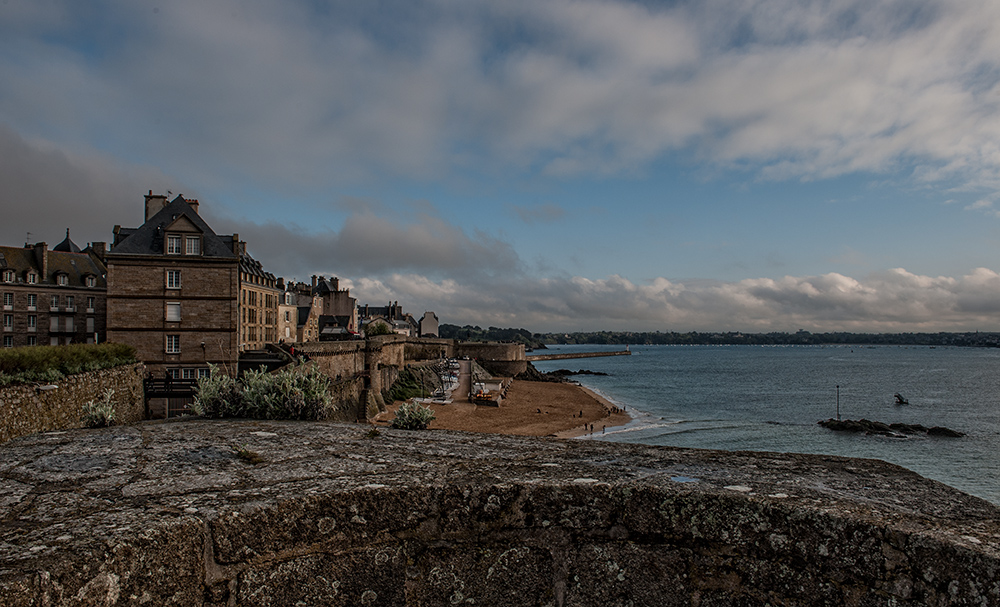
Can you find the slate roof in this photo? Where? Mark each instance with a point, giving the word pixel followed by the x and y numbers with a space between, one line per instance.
pixel 147 239
pixel 67 245
pixel 251 266
pixel 77 266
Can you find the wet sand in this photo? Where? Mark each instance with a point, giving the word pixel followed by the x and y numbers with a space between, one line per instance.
pixel 530 409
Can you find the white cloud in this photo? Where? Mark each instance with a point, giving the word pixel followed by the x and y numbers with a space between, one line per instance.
pixel 288 96
pixel 891 301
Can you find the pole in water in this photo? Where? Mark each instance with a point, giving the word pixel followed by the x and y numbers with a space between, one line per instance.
pixel 838 403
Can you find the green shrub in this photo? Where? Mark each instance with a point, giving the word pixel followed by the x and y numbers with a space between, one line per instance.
pixel 52 363
pixel 218 394
pixel 407 386
pixel 292 393
pixel 99 413
pixel 412 416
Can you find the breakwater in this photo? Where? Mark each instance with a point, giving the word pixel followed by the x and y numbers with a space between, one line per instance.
pixel 240 513
pixel 537 357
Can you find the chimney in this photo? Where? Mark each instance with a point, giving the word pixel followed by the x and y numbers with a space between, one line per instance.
pixel 42 260
pixel 314 281
pixel 154 203
pixel 336 284
pixel 193 204
pixel 99 249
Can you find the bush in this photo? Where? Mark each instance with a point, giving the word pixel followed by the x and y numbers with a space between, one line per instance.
pixel 412 416
pixel 218 394
pixel 100 413
pixel 52 363
pixel 407 386
pixel 300 393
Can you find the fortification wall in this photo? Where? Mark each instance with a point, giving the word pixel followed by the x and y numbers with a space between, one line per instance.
pixel 332 515
pixel 429 349
pixel 24 409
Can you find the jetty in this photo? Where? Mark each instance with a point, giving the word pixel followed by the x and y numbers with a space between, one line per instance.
pixel 537 357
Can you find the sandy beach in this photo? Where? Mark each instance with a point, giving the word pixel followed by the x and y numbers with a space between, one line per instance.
pixel 531 408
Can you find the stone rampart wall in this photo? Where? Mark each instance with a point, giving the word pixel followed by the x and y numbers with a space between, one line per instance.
pixel 24 409
pixel 329 514
pixel 490 351
pixel 377 362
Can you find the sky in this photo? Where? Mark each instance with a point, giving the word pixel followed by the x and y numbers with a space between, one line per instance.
pixel 556 165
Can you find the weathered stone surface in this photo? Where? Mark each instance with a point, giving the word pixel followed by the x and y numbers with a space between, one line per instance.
pixel 169 514
pixel 24 409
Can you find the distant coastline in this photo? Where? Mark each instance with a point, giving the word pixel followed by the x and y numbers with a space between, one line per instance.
pixel 972 339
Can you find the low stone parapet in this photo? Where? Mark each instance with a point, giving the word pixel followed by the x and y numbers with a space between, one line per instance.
pixel 236 513
pixel 29 408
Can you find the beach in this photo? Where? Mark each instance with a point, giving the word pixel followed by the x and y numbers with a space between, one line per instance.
pixel 531 408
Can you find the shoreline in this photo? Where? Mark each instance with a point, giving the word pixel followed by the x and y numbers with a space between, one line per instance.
pixel 554 409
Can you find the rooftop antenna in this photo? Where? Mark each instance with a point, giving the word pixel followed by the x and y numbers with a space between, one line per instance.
pixel 27 238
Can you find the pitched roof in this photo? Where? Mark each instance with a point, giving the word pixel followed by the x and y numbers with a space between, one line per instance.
pixel 67 245
pixel 147 239
pixel 76 266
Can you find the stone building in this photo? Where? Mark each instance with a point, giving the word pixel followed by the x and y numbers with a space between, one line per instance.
pixel 393 315
pixel 258 307
pixel 429 325
pixel 53 297
pixel 338 317
pixel 173 290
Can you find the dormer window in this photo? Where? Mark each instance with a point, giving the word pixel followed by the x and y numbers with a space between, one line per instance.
pixel 173 245
pixel 91 281
pixel 62 279
pixel 32 278
pixel 193 245
pixel 8 275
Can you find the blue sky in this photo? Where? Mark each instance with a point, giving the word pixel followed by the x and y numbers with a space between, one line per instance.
pixel 556 165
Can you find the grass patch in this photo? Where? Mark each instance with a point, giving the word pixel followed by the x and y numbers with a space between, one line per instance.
pixel 52 363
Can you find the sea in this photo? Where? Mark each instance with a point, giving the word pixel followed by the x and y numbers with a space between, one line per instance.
pixel 770 398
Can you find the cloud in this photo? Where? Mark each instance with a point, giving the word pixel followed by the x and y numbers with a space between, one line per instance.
pixel 368 244
pixel 892 301
pixel 291 95
pixel 543 213
pixel 47 189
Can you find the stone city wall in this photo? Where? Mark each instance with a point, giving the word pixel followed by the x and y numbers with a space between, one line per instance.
pixel 25 409
pixel 500 359
pixel 328 514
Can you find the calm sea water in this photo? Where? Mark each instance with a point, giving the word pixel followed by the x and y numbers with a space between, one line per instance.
pixel 769 398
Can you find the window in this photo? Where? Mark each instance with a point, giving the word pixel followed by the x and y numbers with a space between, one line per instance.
pixel 69 302
pixel 91 281
pixel 173 312
pixel 8 322
pixel 174 373
pixel 53 324
pixel 189 373
pixel 63 280
pixel 288 316
pixel 204 372
pixel 32 322
pixel 90 324
pixel 8 275
pixel 8 341
pixel 55 302
pixel 193 245
pixel 173 344
pixel 53 341
pixel 90 303
pixel 32 340
pixel 173 279
pixel 8 300
pixel 69 324
pixel 173 245
pixel 32 301
pixel 32 278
